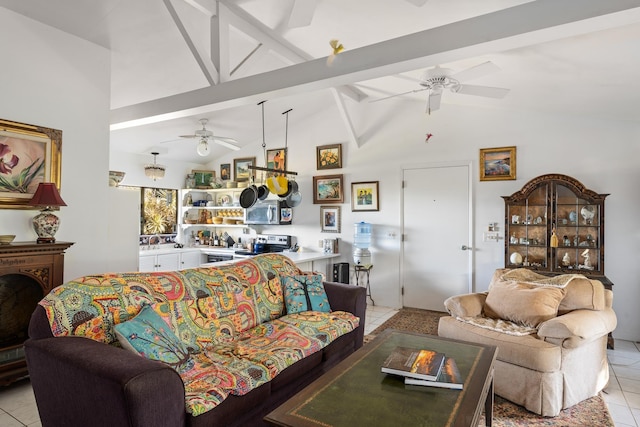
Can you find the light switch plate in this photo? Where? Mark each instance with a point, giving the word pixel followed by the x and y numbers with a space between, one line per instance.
pixel 490 236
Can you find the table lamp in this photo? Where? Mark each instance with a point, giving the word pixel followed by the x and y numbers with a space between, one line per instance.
pixel 46 223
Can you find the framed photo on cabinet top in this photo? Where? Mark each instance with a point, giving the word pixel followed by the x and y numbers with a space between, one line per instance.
pixel 203 178
pixel 29 155
pixel 498 164
pixel 364 196
pixel 225 171
pixel 242 172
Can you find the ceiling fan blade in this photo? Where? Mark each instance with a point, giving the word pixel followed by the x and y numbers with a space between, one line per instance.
pixel 433 102
pixel 417 2
pixel 226 142
pixel 486 91
pixel 476 71
pixel 398 94
pixel 188 136
pixel 302 13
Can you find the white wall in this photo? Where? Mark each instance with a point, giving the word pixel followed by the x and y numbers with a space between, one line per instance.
pixel 602 155
pixel 52 79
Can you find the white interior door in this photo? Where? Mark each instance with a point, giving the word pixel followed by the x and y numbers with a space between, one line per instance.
pixel 436 229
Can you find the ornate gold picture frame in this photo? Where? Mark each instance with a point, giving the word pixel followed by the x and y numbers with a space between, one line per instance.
pixel 29 155
pixel 497 164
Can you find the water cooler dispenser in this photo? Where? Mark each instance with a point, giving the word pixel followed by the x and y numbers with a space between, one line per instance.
pixel 361 243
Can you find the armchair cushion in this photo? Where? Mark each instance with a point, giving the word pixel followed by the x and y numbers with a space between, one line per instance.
pixel 523 304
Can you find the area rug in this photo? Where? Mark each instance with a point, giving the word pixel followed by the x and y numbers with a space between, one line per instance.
pixel 590 412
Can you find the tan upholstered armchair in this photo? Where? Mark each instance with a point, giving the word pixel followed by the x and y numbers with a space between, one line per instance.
pixel 551 335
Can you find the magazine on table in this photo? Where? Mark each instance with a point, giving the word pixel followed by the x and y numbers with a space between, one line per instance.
pixel 449 377
pixel 421 364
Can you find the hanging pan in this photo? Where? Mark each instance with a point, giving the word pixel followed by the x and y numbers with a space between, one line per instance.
pixel 249 196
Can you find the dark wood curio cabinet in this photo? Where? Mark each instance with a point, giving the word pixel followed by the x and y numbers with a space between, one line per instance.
pixel 559 204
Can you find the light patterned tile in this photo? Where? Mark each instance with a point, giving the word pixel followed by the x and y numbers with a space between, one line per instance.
pixel 621 414
pixel 629 385
pixel 614 396
pixel 633 399
pixel 16 395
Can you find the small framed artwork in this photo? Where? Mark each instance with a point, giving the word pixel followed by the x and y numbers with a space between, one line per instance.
pixel 225 171
pixel 276 159
pixel 328 189
pixel 242 170
pixel 203 178
pixel 329 156
pixel 330 219
pixel 497 164
pixel 364 196
pixel 29 155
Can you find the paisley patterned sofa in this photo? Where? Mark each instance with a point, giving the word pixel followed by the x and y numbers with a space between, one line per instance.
pixel 220 346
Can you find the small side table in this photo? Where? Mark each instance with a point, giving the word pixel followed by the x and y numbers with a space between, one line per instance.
pixel 366 271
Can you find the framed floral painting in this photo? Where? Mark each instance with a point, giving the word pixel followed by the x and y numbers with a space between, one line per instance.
pixel 329 156
pixel 29 155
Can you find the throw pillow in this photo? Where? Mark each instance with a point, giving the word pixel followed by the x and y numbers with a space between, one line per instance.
pixel 523 304
pixel 148 335
pixel 305 292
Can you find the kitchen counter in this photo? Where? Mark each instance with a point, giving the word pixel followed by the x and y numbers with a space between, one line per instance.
pixel 297 257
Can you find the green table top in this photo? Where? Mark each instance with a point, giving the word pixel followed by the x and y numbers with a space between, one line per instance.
pixel 356 393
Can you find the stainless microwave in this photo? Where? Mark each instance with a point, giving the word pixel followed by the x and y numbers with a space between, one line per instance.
pixel 270 212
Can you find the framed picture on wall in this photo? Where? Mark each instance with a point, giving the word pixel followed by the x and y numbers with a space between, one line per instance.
pixel 242 170
pixel 225 171
pixel 330 219
pixel 276 159
pixel 497 164
pixel 329 156
pixel 29 155
pixel 364 196
pixel 328 189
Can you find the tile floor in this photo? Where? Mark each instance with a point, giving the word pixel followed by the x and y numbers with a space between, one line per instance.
pixel 18 406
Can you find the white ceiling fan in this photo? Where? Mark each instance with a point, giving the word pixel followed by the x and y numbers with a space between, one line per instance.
pixel 437 79
pixel 205 136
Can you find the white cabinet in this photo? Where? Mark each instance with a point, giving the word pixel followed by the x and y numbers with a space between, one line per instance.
pixel 172 261
pixel 191 259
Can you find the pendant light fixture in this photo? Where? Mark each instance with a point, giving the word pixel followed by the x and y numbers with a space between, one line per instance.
pixel 203 148
pixel 154 170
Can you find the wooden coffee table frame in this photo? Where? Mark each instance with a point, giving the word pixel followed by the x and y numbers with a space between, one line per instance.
pixel 356 389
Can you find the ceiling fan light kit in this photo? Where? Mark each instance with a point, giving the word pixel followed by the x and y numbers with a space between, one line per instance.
pixel 207 136
pixel 154 170
pixel 203 148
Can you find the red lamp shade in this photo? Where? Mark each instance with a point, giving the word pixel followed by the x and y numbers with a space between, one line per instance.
pixel 47 195
pixel 46 223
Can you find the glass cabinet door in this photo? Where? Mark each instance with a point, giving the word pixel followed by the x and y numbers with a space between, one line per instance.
pixel 527 230
pixel 578 229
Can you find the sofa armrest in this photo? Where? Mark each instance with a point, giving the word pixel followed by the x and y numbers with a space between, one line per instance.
pixel 344 297
pixel 578 327
pixel 81 382
pixel 467 305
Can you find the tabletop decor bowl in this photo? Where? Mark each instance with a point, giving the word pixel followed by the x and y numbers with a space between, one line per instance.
pixel 5 239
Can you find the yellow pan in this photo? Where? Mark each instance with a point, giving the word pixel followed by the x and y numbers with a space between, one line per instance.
pixel 278 185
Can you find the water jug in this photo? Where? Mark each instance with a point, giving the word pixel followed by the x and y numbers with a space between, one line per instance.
pixel 362 236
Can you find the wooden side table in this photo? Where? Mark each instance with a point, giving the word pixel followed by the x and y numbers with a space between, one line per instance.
pixel 365 270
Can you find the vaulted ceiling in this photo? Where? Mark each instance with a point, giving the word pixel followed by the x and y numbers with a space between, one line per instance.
pixel 177 61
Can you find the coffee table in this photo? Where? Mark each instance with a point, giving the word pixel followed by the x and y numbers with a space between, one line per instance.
pixel 355 392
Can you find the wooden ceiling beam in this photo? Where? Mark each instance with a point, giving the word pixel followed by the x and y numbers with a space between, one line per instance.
pixel 519 26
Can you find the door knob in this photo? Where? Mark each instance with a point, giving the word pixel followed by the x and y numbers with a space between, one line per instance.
pixel 466 248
